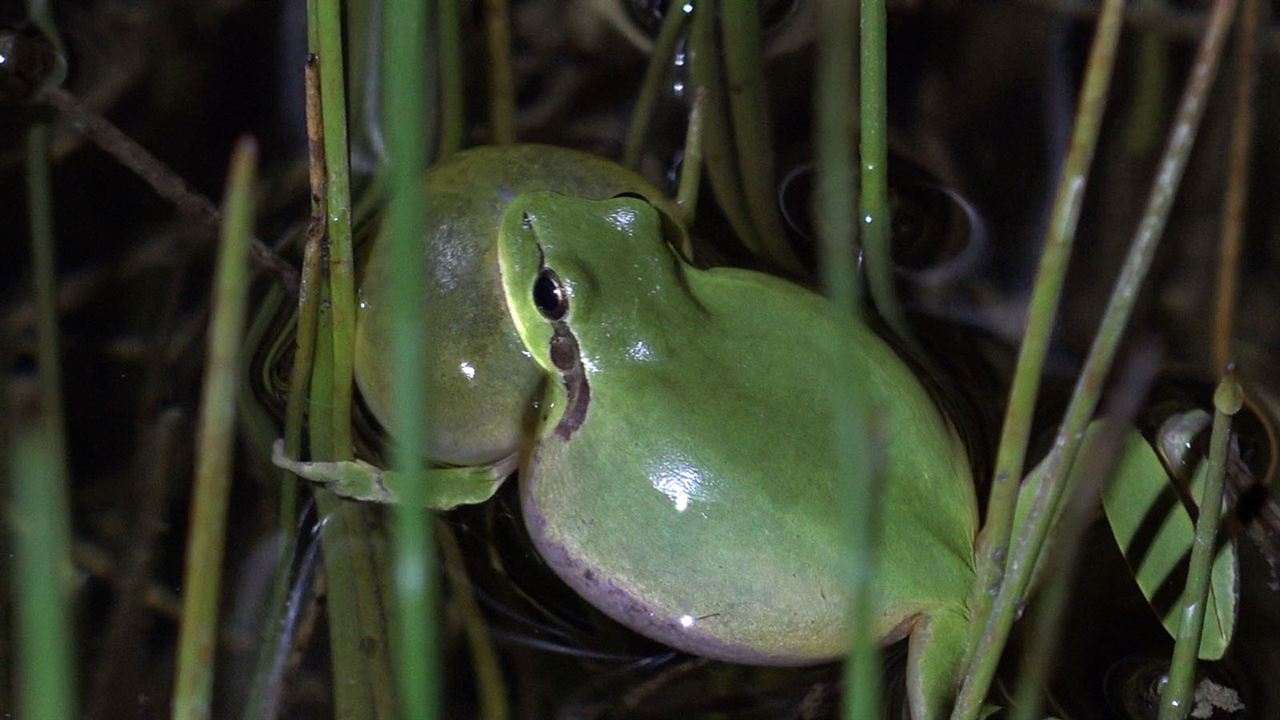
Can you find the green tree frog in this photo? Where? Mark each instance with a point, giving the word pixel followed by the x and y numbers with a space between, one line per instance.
pixel 672 426
pixel 679 473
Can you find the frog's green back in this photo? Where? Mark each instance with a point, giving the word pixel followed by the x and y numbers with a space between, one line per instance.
pixel 696 500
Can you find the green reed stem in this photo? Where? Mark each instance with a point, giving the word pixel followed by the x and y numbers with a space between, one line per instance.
pixel 309 286
pixel 993 541
pixel 320 433
pixel 362 679
pixel 1129 392
pixel 1177 698
pixel 408 126
pixel 502 85
pixel 877 227
pixel 358 634
pixel 43 574
pixel 655 73
pixel 691 166
pixel 453 110
pixel 353 557
pixel 353 693
pixel 338 192
pixel 215 443
pixel 300 376
pixel 836 189
pixel 38 469
pixel 836 181
pixel 744 70
pixel 1235 202
pixel 718 156
pixel 1084 398
pixel 37 457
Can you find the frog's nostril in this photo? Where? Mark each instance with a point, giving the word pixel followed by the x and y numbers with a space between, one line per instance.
pixel 526 221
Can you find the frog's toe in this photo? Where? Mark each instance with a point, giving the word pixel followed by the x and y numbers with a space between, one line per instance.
pixel 935 661
pixel 352 479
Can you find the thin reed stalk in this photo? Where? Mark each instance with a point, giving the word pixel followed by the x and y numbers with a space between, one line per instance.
pixel 836 183
pixel 416 641
pixel 1176 699
pixel 993 541
pixel 215 440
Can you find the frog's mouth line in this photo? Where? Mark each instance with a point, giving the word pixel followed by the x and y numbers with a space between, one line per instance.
pixel 567 358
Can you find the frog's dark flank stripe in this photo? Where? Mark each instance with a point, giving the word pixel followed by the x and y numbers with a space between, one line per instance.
pixel 567 358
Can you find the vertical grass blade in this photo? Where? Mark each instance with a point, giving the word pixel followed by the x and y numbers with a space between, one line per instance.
pixel 1235 203
pixel 876 227
pixel 837 229
pixel 358 635
pixel 41 513
pixel 1084 398
pixel 993 541
pixel 691 164
pixel 502 84
pixel 1176 699
pixel 743 50
pixel 836 182
pixel 215 440
pixel 1129 392
pixel 338 191
pixel 718 155
pixel 408 124
pixel 46 677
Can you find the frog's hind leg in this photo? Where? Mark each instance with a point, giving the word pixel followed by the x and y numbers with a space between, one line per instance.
pixel 935 657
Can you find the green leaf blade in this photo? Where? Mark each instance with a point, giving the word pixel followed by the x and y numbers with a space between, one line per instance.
pixel 1155 531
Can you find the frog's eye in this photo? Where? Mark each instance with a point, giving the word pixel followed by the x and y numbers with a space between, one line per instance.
pixel 549 296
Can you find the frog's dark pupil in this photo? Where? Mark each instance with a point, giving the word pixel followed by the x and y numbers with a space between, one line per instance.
pixel 549 297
